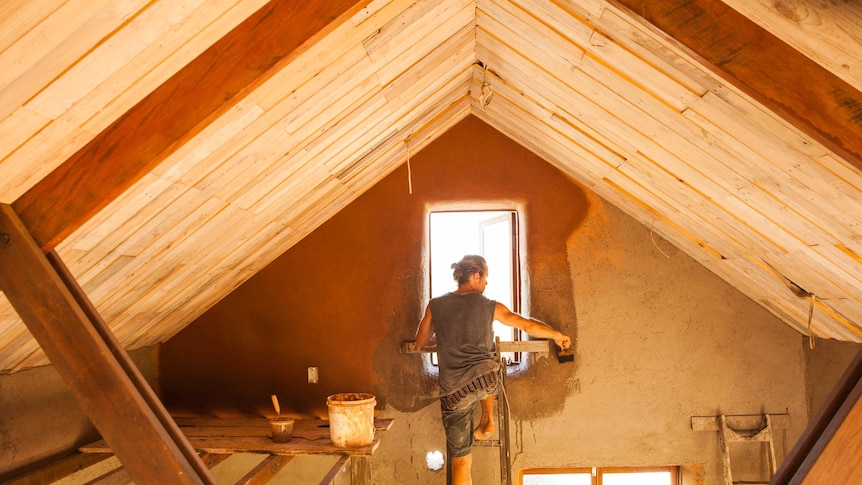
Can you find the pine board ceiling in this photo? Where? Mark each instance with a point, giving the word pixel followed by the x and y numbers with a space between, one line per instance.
pixel 731 129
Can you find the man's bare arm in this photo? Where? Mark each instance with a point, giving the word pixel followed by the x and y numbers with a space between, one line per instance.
pixel 534 327
pixel 425 332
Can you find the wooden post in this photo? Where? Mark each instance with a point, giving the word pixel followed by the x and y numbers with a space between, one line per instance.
pixel 360 470
pixel 88 363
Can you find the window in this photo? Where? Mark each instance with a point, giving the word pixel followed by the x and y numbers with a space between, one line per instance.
pixel 666 475
pixel 492 234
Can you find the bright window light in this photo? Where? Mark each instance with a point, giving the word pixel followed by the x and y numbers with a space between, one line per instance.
pixel 663 475
pixel 491 234
pixel 559 479
pixel 637 478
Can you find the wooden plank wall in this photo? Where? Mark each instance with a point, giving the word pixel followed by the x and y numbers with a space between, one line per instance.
pixel 591 86
pixel 631 119
pixel 208 184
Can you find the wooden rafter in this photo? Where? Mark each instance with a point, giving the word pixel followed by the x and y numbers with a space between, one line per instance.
pixel 89 365
pixel 69 330
pixel 783 79
pixel 177 110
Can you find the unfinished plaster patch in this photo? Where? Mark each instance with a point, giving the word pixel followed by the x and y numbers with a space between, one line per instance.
pixel 573 384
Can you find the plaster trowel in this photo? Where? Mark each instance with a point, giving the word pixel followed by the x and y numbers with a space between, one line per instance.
pixel 276 406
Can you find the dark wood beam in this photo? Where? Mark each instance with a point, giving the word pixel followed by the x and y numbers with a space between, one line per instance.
pixel 173 113
pixel 121 476
pixel 265 470
pixel 87 363
pixel 784 80
pixel 212 459
pixel 125 362
pixel 56 470
pixel 841 458
pixel 114 477
pixel 339 474
pixel 841 416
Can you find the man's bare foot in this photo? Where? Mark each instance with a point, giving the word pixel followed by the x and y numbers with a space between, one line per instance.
pixel 484 432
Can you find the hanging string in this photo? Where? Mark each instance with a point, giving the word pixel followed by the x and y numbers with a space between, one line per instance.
pixel 409 171
pixel 811 297
pixel 653 239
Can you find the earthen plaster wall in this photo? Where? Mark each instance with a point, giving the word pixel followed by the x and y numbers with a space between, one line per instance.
pixel 40 419
pixel 659 339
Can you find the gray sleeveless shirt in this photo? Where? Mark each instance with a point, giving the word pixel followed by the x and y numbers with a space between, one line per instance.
pixel 463 324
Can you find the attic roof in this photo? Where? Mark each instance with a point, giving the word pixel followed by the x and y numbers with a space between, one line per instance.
pixel 134 134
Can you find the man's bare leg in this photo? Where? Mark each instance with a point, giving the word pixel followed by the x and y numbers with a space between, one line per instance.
pixel 461 470
pixel 486 423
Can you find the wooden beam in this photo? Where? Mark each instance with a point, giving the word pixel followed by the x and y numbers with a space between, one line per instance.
pixel 56 470
pixel 265 470
pixel 117 476
pixel 841 458
pixel 339 474
pixel 125 361
pixel 212 459
pixel 844 400
pixel 784 80
pixel 121 476
pixel 173 113
pixel 88 364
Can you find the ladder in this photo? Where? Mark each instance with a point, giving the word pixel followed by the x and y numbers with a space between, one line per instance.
pixel 762 435
pixel 502 407
pixel 539 347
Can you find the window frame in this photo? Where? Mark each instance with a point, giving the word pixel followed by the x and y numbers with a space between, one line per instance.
pixel 597 473
pixel 516 282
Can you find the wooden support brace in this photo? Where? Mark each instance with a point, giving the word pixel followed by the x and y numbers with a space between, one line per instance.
pixel 265 470
pixel 212 459
pixel 339 474
pixel 56 470
pixel 88 363
pixel 118 476
pixel 121 477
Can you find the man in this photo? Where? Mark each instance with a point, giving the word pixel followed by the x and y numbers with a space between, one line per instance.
pixel 461 322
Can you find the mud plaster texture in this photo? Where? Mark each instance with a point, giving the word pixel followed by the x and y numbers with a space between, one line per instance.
pixel 40 418
pixel 658 338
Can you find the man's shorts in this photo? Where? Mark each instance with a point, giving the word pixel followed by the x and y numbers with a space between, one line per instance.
pixel 458 409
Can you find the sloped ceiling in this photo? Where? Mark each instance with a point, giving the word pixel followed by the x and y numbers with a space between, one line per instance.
pixel 238 154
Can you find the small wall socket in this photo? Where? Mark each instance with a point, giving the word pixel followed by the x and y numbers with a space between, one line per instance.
pixel 312 375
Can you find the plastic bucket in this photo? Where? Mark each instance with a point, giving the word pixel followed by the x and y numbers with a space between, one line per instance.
pixel 282 428
pixel 351 419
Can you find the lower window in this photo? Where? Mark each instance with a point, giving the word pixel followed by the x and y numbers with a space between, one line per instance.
pixel 665 475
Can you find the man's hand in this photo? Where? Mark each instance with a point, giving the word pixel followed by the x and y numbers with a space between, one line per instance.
pixel 563 341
